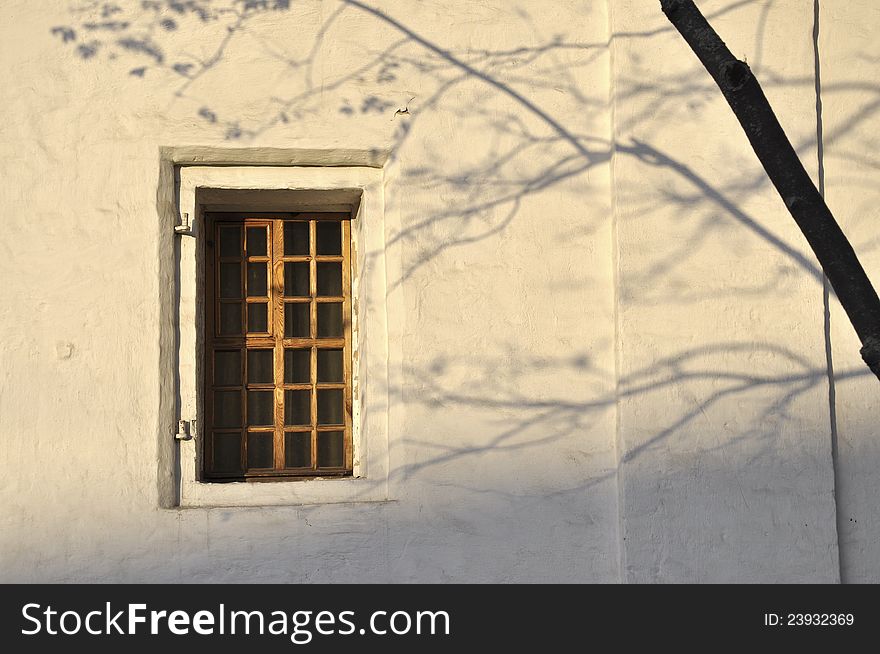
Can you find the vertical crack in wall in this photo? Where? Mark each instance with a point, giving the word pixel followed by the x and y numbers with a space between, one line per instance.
pixel 826 294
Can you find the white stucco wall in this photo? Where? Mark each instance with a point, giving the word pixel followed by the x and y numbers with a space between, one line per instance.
pixel 724 431
pixel 605 355
pixel 850 66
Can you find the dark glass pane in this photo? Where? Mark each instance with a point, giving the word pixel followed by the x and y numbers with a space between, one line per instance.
pixel 297 407
pixel 329 278
pixel 230 319
pixel 328 237
pixel 230 241
pixel 258 317
pixel 257 280
pixel 230 280
pixel 227 368
pixel 330 407
pixel 296 238
pixel 227 409
pixel 296 319
pixel 260 450
pixel 298 449
pixel 260 408
pixel 330 368
pixel 331 449
pixel 256 241
pixel 260 368
pixel 330 320
pixel 227 452
pixel 296 279
pixel 297 366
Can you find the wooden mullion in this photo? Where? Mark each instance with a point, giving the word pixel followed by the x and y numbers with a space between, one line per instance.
pixel 346 351
pixel 313 332
pixel 242 271
pixel 313 284
pixel 254 342
pixel 276 326
pixel 324 343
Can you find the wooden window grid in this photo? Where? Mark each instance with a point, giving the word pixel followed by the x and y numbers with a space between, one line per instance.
pixel 278 346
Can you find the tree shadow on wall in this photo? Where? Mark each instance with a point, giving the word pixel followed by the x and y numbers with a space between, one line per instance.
pixel 541 125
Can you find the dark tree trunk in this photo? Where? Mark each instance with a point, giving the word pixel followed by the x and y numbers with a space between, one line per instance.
pixel 778 157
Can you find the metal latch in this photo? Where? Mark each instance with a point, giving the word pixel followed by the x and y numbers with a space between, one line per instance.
pixel 184 228
pixel 185 430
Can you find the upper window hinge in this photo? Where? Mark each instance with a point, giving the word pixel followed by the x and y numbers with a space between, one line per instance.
pixel 185 430
pixel 184 228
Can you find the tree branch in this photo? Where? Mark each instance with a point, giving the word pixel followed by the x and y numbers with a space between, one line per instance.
pixel 780 161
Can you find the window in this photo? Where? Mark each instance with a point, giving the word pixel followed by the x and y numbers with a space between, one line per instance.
pixel 279 346
pixel 288 185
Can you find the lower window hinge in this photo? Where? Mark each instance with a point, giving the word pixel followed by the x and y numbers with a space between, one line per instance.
pixel 185 430
pixel 184 228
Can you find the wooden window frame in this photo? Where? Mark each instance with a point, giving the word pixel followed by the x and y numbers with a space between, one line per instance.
pixel 276 340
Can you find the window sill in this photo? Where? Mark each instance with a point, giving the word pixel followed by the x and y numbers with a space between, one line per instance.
pixel 319 490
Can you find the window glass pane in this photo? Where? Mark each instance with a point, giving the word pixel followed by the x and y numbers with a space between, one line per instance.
pixel 297 366
pixel 260 450
pixel 230 241
pixel 257 280
pixel 227 452
pixel 296 238
pixel 298 449
pixel 258 317
pixel 330 320
pixel 230 280
pixel 260 407
pixel 331 449
pixel 330 368
pixel 329 278
pixel 260 368
pixel 296 279
pixel 330 407
pixel 328 237
pixel 256 241
pixel 227 368
pixel 227 409
pixel 297 407
pixel 296 319
pixel 230 319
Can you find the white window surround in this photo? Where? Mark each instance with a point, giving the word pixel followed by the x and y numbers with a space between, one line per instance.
pixel 290 188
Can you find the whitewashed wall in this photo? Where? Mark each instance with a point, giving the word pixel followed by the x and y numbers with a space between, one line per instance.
pixel 849 73
pixel 606 345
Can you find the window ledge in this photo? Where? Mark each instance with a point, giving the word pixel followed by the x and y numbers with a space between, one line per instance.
pixel 327 490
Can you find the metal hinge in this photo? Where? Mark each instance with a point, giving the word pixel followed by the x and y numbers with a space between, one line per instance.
pixel 186 429
pixel 184 228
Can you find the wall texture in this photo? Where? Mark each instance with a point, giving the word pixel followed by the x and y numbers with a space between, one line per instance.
pixel 606 341
pixel 850 98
